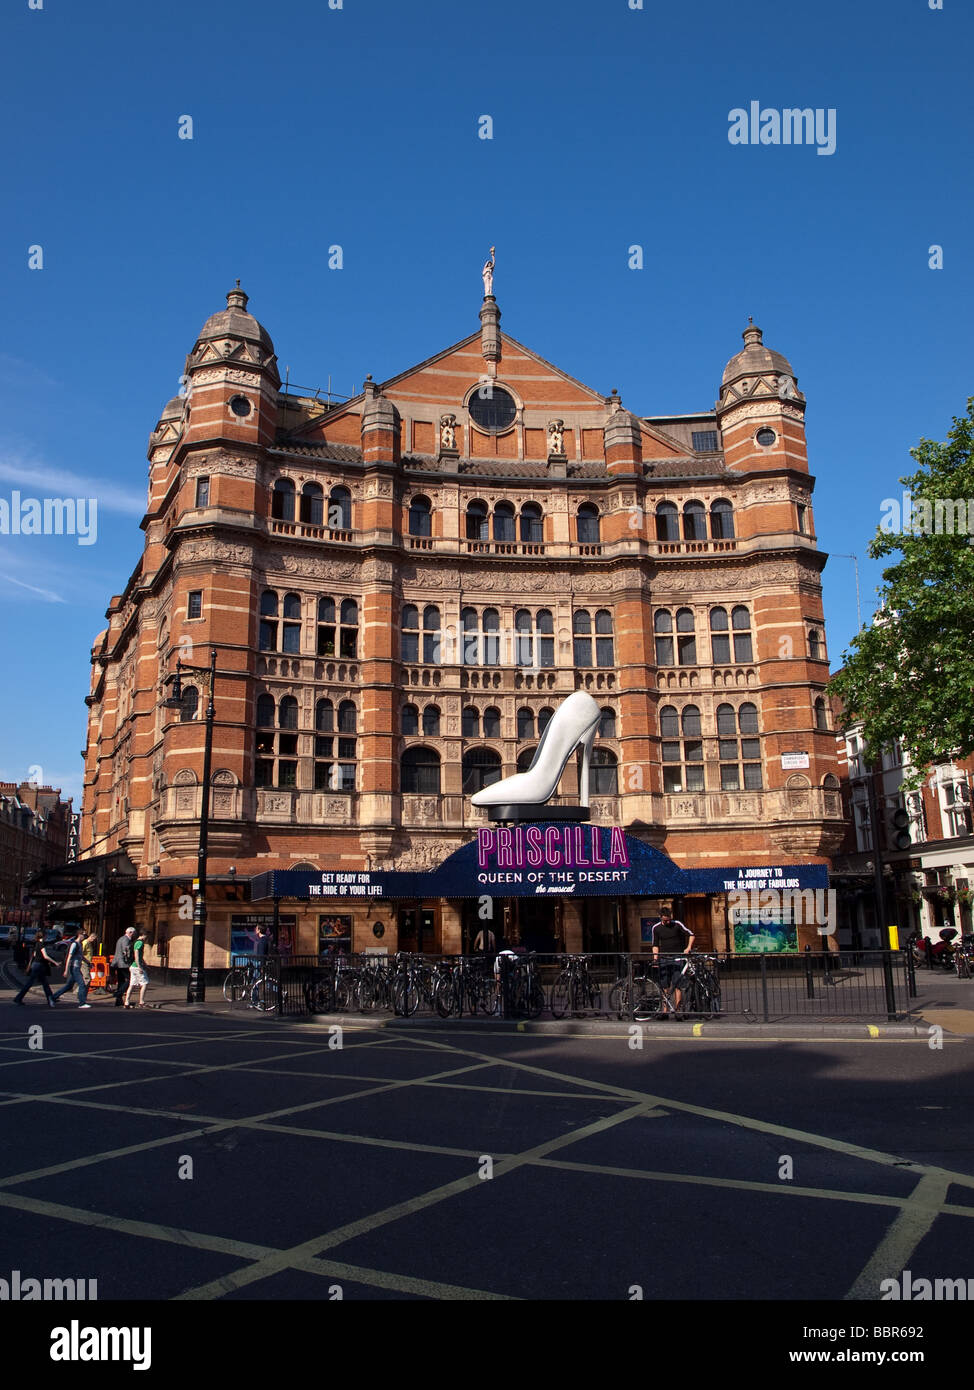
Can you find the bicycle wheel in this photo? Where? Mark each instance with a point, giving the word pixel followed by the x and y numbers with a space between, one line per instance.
pixel 535 1000
pixel 649 1003
pixel 344 994
pixel 405 997
pixel 265 995
pixel 235 985
pixel 323 997
pixel 561 995
pixel 445 998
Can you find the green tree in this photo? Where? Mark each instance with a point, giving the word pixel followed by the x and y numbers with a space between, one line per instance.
pixel 910 676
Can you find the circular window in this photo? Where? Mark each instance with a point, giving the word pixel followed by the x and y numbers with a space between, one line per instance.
pixel 766 437
pixel 240 406
pixel 492 408
pixel 378 929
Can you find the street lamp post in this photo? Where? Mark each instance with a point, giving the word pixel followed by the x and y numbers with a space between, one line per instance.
pixel 196 989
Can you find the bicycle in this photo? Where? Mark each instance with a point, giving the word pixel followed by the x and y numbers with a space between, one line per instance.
pixel 574 991
pixel 698 985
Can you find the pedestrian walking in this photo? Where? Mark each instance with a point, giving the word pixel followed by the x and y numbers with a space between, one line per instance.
pixel 38 969
pixel 122 961
pixel 138 977
pixel 74 971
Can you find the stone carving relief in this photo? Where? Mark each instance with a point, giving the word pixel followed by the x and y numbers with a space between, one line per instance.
pixel 185 777
pixel 318 568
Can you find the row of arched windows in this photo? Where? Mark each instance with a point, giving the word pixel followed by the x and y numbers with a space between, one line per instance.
pixel 488 725
pixel 695 521
pixel 309 505
pixel 738 748
pixel 420 770
pixel 280 625
pixel 277 743
pixel 684 652
pixel 503 523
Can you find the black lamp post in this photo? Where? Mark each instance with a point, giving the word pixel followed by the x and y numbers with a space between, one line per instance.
pixel 196 989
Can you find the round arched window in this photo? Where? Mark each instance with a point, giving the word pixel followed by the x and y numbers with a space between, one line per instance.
pixel 492 408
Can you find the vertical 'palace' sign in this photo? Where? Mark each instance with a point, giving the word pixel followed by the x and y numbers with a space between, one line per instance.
pixel 553 857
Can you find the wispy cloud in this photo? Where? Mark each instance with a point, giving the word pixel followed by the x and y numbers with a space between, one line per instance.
pixel 26 472
pixel 47 594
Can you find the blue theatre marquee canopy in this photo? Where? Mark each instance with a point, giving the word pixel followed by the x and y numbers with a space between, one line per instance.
pixel 581 861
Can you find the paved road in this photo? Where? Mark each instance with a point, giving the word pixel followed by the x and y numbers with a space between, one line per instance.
pixel 186 1155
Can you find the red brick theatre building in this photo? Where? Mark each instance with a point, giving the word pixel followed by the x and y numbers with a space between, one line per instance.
pixel 401 589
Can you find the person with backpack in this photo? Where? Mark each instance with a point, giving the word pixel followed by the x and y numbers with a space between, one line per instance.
pixel 122 961
pixel 74 971
pixel 38 969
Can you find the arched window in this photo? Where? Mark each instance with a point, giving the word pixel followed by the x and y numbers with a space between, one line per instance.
pixel 682 757
pixel 525 723
pixel 282 500
pixel 741 623
pixel 814 644
pixel 607 724
pixel 477 521
pixel 663 628
pixel 347 715
pixel 340 509
pixel 335 639
pixel 268 621
pixel 470 722
pixel 409 639
pixel 721 520
pixel 288 712
pixel 492 723
pixel 420 517
pixel 525 759
pixel 821 715
pixel 504 522
pixel 492 641
pixel 667 522
pixel 589 531
pixel 545 624
pixel 335 773
pixel 545 717
pixel 686 638
pixel 312 504
pixel 265 711
pixel 432 647
pixel 420 771
pixel 524 639
pixel 291 631
pixel 740 759
pixel 582 630
pixel 694 522
pixel 471 638
pixel 410 719
pixel 431 721
pixel 604 645
pixel 532 524
pixel 719 635
pixel 190 705
pixel 481 768
pixel 324 717
pixel 604 773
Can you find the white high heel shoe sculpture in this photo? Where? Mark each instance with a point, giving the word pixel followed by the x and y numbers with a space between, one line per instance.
pixel 574 723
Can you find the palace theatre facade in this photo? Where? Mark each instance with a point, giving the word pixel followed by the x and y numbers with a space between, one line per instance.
pixel 401 589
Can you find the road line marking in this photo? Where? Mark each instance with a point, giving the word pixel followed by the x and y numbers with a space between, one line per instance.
pixel 365 1225
pixel 904 1235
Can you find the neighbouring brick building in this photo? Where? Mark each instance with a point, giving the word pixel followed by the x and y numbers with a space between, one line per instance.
pixel 35 833
pixel 929 877
pixel 403 586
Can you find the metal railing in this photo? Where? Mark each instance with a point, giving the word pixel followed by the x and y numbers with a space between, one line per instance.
pixel 758 987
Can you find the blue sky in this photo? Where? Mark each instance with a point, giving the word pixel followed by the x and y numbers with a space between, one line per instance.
pixel 359 127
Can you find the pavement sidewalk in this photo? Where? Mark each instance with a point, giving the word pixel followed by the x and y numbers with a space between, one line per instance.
pixel 942 1000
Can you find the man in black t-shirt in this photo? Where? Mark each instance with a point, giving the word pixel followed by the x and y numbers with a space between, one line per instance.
pixel 671 938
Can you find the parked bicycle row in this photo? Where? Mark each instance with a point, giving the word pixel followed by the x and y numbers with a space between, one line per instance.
pixel 509 985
